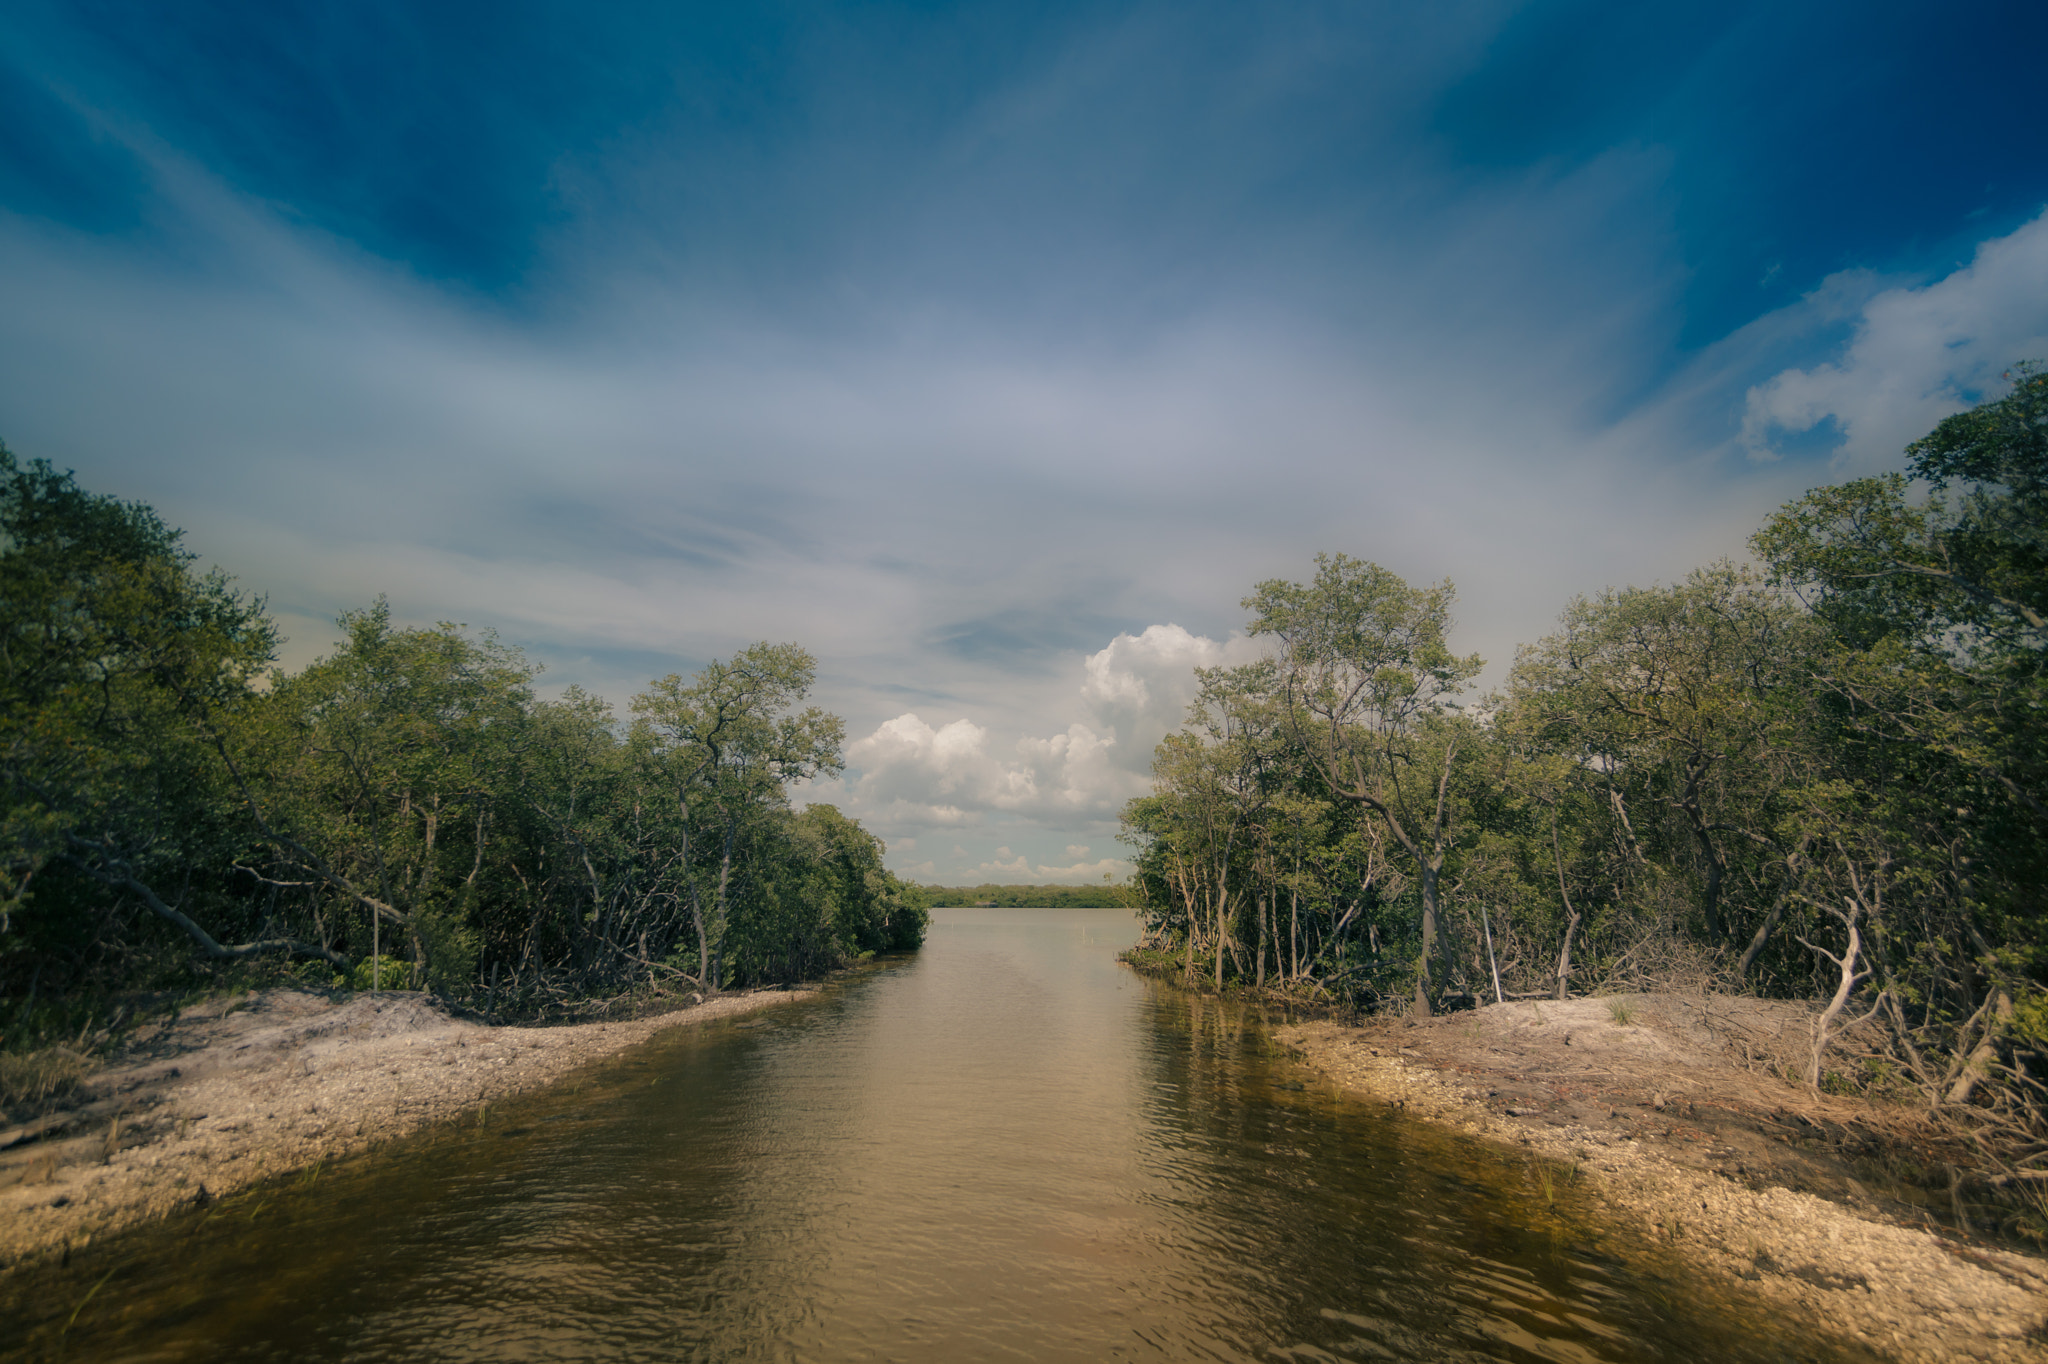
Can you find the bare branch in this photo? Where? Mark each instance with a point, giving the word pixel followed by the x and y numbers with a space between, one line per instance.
pixel 116 873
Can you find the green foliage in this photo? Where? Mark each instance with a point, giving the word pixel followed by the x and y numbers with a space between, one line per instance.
pixel 380 973
pixel 110 648
pixel 1361 646
pixel 1363 685
pixel 1679 696
pixel 406 797
pixel 1927 704
pixel 374 775
pixel 1712 784
pixel 728 743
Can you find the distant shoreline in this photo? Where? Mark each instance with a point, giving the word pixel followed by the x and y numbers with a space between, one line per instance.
pixel 989 895
pixel 1115 908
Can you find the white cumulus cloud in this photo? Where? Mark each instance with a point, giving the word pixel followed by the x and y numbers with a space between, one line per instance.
pixel 1918 354
pixel 909 775
pixel 1140 685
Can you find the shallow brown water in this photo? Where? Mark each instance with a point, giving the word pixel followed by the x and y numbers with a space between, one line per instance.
pixel 1007 1147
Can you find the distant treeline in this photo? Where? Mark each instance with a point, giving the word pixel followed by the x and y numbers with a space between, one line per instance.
pixel 1027 897
pixel 404 811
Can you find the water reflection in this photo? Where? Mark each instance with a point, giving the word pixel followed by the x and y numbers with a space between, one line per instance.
pixel 1007 1147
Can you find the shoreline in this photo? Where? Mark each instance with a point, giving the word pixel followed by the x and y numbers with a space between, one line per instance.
pixel 1633 1102
pixel 1687 1166
pixel 236 1092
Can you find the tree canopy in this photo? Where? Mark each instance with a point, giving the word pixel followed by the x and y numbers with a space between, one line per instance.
pixel 404 811
pixel 1817 777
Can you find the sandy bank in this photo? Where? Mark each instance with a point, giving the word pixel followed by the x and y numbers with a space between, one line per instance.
pixel 1703 1158
pixel 241 1091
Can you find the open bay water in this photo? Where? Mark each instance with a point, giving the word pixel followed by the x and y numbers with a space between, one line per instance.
pixel 1004 1147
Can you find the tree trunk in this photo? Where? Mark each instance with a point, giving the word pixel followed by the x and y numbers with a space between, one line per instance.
pixel 1432 868
pixel 1710 900
pixel 1851 950
pixel 1187 903
pixel 705 980
pixel 1492 962
pixel 1770 923
pixel 207 943
pixel 1985 1052
pixel 703 946
pixel 1628 829
pixel 716 975
pixel 1423 984
pixel 1262 943
pixel 1564 957
pixel 1571 925
pixel 1222 904
pixel 1717 861
pixel 1763 934
pixel 1294 931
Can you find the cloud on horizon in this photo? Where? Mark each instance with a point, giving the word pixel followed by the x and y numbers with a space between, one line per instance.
pixel 908 779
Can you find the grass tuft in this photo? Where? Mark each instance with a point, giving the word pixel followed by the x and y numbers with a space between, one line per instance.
pixel 29 1078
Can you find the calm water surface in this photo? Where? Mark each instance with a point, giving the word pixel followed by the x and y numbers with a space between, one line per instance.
pixel 1004 1148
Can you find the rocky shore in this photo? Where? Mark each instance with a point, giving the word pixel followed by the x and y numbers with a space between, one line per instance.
pixel 1639 1104
pixel 243 1090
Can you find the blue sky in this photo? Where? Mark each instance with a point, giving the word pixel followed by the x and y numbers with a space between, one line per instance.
pixel 994 352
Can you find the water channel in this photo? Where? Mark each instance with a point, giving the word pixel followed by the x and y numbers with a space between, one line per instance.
pixel 1006 1147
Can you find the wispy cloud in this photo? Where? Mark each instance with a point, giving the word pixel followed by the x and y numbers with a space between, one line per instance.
pixel 970 351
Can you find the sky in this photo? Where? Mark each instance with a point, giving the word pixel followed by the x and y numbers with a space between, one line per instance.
pixel 994 352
